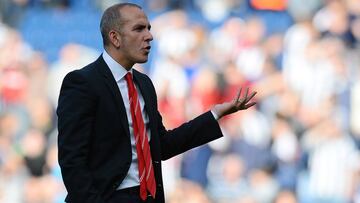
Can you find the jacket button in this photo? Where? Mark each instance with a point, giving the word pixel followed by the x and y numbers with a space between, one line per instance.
pixel 159 185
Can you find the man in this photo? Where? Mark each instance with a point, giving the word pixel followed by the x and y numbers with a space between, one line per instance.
pixel 111 137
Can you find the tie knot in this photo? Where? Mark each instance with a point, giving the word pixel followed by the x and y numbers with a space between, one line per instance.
pixel 128 77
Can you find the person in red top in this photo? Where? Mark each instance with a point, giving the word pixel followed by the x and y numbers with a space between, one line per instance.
pixel 273 5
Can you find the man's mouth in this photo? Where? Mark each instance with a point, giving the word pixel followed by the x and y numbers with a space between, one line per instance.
pixel 147 49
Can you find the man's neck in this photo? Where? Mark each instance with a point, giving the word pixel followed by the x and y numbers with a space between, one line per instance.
pixel 118 57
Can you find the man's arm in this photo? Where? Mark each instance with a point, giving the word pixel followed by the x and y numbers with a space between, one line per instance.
pixel 199 131
pixel 75 119
pixel 202 129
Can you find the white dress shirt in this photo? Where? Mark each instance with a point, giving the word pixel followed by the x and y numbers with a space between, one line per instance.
pixel 119 72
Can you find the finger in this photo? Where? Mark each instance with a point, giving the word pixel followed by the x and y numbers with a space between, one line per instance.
pixel 250 105
pixel 251 96
pixel 246 94
pixel 238 95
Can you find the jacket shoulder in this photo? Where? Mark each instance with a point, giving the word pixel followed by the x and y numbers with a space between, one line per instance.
pixel 142 76
pixel 85 73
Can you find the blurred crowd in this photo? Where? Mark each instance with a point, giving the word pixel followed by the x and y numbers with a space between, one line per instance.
pixel 300 144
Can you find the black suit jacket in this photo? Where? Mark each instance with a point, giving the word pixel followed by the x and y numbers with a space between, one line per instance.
pixel 94 144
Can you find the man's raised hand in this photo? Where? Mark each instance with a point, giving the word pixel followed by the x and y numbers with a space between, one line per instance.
pixel 239 103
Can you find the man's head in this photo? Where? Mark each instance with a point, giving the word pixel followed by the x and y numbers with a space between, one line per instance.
pixel 125 30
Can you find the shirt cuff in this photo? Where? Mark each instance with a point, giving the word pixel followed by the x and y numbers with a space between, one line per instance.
pixel 215 115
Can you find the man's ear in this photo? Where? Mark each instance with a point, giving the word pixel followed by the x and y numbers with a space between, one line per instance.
pixel 114 38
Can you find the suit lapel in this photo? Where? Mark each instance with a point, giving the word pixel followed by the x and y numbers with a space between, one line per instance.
pixel 114 89
pixel 144 92
pixel 150 108
pixel 149 105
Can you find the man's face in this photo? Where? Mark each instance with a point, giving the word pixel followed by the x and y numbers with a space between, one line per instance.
pixel 135 36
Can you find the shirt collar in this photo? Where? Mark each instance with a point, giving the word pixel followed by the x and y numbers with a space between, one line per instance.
pixel 116 69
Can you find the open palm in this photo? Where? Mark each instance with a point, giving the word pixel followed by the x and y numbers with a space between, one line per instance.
pixel 238 104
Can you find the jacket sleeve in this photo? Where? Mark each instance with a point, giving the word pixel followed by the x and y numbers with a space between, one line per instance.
pixel 194 133
pixel 76 111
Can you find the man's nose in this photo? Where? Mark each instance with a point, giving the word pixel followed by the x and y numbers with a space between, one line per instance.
pixel 148 36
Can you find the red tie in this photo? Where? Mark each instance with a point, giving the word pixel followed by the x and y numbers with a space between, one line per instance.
pixel 146 172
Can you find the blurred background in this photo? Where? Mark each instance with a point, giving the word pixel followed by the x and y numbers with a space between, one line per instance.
pixel 300 144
